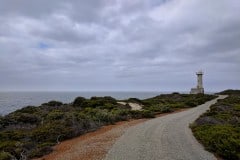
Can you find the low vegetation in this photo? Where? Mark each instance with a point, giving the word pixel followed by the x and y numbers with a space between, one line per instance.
pixel 219 128
pixel 32 131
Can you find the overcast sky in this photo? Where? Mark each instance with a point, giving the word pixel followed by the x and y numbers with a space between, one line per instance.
pixel 119 45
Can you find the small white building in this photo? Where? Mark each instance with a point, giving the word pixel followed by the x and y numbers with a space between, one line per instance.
pixel 199 88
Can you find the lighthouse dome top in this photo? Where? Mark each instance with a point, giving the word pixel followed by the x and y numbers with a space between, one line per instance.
pixel 199 72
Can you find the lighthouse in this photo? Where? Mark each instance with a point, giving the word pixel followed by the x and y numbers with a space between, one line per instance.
pixel 199 88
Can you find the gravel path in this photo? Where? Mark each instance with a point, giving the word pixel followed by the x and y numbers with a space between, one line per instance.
pixel 163 138
pixel 90 146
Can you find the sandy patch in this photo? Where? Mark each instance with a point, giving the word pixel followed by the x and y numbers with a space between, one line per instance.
pixel 134 106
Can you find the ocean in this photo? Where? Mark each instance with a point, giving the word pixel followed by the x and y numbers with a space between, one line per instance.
pixel 11 101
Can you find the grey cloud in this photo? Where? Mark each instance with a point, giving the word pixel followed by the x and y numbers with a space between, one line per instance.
pixel 84 10
pixel 119 45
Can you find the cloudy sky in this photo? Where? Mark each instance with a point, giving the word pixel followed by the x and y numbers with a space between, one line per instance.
pixel 119 45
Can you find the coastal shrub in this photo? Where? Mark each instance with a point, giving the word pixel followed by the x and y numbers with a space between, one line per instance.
pixel 50 131
pixel 109 99
pixel 104 116
pixel 121 114
pixel 147 114
pixel 134 100
pixel 79 101
pixel 237 107
pixel 45 144
pixel 108 106
pixel 106 99
pixel 38 152
pixel 221 108
pixel 8 145
pixel 177 100
pixel 159 109
pixel 12 147
pixel 218 129
pixel 223 116
pixel 222 139
pixel 13 135
pixel 142 114
pixel 208 120
pixel 28 145
pixel 28 109
pixel 5 156
pixel 166 109
pixel 25 118
pixel 1 122
pixel 230 92
pixel 99 102
pixel 135 114
pixel 81 116
pixel 53 103
pixel 176 105
pixel 55 115
pixel 191 103
pixel 153 108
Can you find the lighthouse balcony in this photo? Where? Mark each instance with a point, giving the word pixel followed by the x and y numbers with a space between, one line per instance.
pixel 197 91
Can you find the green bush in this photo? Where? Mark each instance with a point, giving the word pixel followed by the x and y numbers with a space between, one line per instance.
pixel 237 107
pixel 38 152
pixel 176 105
pixel 230 92
pixel 154 108
pixel 135 100
pixel 191 103
pixel 5 156
pixel 25 118
pixel 121 114
pixel 94 102
pixel 104 116
pixel 135 114
pixel 50 131
pixel 79 101
pixel 13 135
pixel 8 145
pixel 108 106
pixel 53 103
pixel 141 114
pixel 222 139
pixel 28 109
pixel 177 100
pixel 147 114
pixel 159 109
pixel 55 115
pixel 166 109
pixel 100 101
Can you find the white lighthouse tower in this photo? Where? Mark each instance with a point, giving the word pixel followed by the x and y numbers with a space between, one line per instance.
pixel 199 88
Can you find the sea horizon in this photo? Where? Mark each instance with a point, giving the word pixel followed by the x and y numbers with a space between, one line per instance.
pixel 10 101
